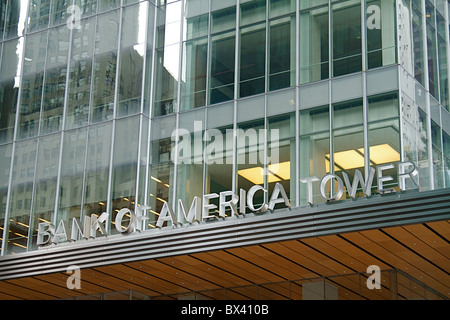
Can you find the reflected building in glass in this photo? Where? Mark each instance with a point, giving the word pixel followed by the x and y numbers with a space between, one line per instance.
pixel 92 93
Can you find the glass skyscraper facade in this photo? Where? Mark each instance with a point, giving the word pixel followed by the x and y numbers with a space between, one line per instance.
pixel 91 92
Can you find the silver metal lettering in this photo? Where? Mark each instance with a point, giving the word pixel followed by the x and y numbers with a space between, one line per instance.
pixel 340 189
pixel 250 196
pixel 381 179
pixel 231 203
pixel 194 214
pixel 166 215
pixel 366 186
pixel 274 199
pixel 309 190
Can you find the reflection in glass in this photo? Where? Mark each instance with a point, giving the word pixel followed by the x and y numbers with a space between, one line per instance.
pixel 190 159
pixel 80 71
pixel 132 52
pixel 21 195
pixel 55 79
pixel 124 166
pixel 45 183
pixel 193 86
pixel 167 58
pixel 72 170
pixel 10 67
pixel 161 173
pixel 443 62
pixel 16 16
pixel 5 163
pixel 105 64
pixel 32 84
pixel 39 13
pixel 97 168
pixel 418 43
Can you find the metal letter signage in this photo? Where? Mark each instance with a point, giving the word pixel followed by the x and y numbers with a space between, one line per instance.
pixel 94 225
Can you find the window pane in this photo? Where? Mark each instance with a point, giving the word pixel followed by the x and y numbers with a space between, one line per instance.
pixel 97 169
pixel 250 157
pixel 418 43
pixel 223 20
pixel 380 21
pixel 32 85
pixel 252 60
pixel 5 163
pixel 8 89
pixel 282 56
pixel 219 167
pixel 55 79
pixel 193 86
pixel 125 160
pixel 167 59
pixel 132 58
pixel 105 65
pixel 161 173
pixel 281 160
pixel 252 11
pixel 314 149
pixel 281 7
pixel 432 61
pixel 16 15
pixel 346 37
pixel 314 45
pixel 21 195
pixel 190 153
pixel 222 67
pixel 80 71
pixel 45 185
pixel 39 13
pixel 72 169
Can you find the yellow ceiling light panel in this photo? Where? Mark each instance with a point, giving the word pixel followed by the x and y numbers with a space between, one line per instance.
pixel 256 175
pixel 349 159
pixel 282 170
pixel 382 153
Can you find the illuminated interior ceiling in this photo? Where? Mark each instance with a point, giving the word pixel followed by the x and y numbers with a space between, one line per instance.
pixel 276 172
pixel 420 250
pixel 352 159
pixel 343 160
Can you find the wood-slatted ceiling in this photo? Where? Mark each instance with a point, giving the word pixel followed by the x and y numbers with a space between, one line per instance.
pixel 420 250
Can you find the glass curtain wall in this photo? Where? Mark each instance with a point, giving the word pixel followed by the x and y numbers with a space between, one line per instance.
pixel 222 51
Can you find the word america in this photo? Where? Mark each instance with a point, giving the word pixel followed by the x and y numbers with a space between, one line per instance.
pixel 93 225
